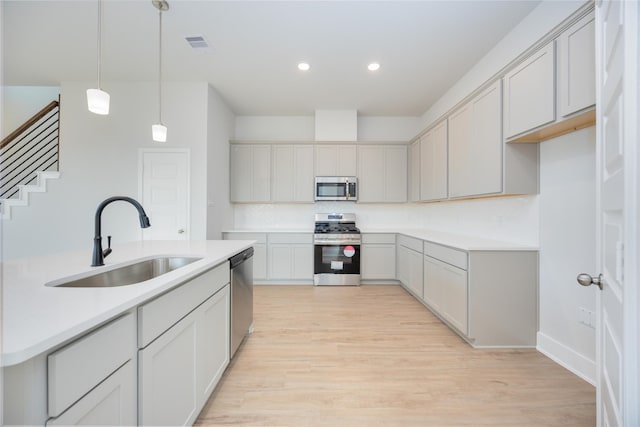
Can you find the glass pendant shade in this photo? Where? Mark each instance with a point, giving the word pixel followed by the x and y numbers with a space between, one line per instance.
pixel 98 101
pixel 159 132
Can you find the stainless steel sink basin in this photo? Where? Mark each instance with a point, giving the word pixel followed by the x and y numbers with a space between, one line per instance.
pixel 128 274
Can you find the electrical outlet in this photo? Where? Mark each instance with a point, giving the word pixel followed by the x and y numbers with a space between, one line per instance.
pixel 587 317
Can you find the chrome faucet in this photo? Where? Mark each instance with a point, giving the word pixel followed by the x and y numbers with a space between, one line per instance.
pixel 98 254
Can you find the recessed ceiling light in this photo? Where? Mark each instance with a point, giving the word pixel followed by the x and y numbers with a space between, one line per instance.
pixel 374 66
pixel 303 66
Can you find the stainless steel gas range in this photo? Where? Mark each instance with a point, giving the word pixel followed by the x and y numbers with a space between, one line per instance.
pixel 336 242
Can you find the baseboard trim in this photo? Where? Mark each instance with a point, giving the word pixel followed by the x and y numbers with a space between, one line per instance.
pixel 567 358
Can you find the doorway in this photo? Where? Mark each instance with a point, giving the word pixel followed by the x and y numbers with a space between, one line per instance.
pixel 163 177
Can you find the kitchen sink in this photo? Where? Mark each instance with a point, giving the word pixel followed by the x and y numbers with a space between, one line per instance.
pixel 128 274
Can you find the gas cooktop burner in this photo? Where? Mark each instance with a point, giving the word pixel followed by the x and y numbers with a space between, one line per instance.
pixel 324 228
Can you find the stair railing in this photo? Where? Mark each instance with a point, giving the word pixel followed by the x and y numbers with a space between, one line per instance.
pixel 31 148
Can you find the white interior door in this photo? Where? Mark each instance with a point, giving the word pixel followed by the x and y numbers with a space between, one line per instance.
pixel 164 182
pixel 617 204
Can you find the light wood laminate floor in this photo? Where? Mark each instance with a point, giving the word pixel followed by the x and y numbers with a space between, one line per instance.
pixel 374 356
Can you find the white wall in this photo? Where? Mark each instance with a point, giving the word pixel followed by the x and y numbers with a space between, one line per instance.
pixel 22 102
pixel 567 248
pixel 511 219
pixel 532 28
pixel 302 128
pixel 220 129
pixel 99 159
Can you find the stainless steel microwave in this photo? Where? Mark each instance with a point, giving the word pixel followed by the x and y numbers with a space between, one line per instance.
pixel 331 188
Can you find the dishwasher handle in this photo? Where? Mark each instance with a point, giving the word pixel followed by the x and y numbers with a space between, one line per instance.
pixel 241 257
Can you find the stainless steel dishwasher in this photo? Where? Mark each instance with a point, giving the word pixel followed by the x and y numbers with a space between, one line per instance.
pixel 241 297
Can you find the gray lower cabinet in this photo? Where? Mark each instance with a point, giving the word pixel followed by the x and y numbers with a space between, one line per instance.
pixel 279 257
pixel 290 256
pixel 179 366
pixel 259 254
pixel 409 263
pixel 93 379
pixel 488 297
pixel 156 364
pixel 378 256
pixel 112 402
pixel 445 284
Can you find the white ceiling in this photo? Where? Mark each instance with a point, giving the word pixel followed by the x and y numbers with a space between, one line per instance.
pixel 423 48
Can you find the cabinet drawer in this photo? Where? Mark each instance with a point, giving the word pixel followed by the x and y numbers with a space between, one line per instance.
pixel 113 402
pixel 259 237
pixel 160 314
pixel 450 256
pixel 77 368
pixel 378 238
pixel 290 238
pixel 410 242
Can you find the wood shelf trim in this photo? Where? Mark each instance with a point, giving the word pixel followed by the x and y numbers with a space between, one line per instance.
pixel 573 124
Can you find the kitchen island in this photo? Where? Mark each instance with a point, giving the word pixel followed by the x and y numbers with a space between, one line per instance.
pixel 64 349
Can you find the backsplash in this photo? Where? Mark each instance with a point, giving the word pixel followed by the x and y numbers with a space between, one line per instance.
pixel 513 219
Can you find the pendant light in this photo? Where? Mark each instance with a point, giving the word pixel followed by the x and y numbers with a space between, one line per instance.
pixel 159 131
pixel 97 99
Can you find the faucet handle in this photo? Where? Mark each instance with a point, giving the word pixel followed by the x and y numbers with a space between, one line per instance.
pixel 107 251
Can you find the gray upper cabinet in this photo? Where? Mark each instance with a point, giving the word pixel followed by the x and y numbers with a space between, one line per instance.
pixel 250 173
pixel 292 173
pixel 433 163
pixel 576 67
pixel 336 160
pixel 382 173
pixel 475 146
pixel 529 93
pixel 414 171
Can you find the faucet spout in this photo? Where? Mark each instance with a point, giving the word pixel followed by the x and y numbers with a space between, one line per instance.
pixel 98 253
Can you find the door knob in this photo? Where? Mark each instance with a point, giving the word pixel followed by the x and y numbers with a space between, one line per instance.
pixel 180 231
pixel 587 280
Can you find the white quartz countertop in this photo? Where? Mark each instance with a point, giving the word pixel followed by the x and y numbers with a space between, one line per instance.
pixel 457 241
pixel 36 317
pixel 271 230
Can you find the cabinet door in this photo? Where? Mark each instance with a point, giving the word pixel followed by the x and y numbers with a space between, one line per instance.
pixel 414 171
pixel 280 259
pixel 415 272
pixel 371 179
pixel 250 173
pixel 167 377
pixel 112 402
pixel 395 173
pixel 529 97
pixel 576 67
pixel 212 352
pixel 454 301
pixel 292 173
pixel 433 164
pixel 302 262
pixel 336 160
pixel 432 285
pixel 283 175
pixel 475 146
pixel 347 163
pixel 260 261
pixel 378 262
pixel 303 173
pixel 382 173
pixel 460 160
pixel 485 161
pixel 402 264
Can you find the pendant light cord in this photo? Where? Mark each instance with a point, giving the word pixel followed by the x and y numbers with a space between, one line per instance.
pixel 100 44
pixel 160 67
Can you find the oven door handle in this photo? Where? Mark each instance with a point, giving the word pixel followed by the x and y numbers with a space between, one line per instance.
pixel 336 242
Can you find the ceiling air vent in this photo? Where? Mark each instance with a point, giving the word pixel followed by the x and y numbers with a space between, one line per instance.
pixel 198 43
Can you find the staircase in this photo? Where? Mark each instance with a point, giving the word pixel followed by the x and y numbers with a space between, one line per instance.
pixel 29 158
